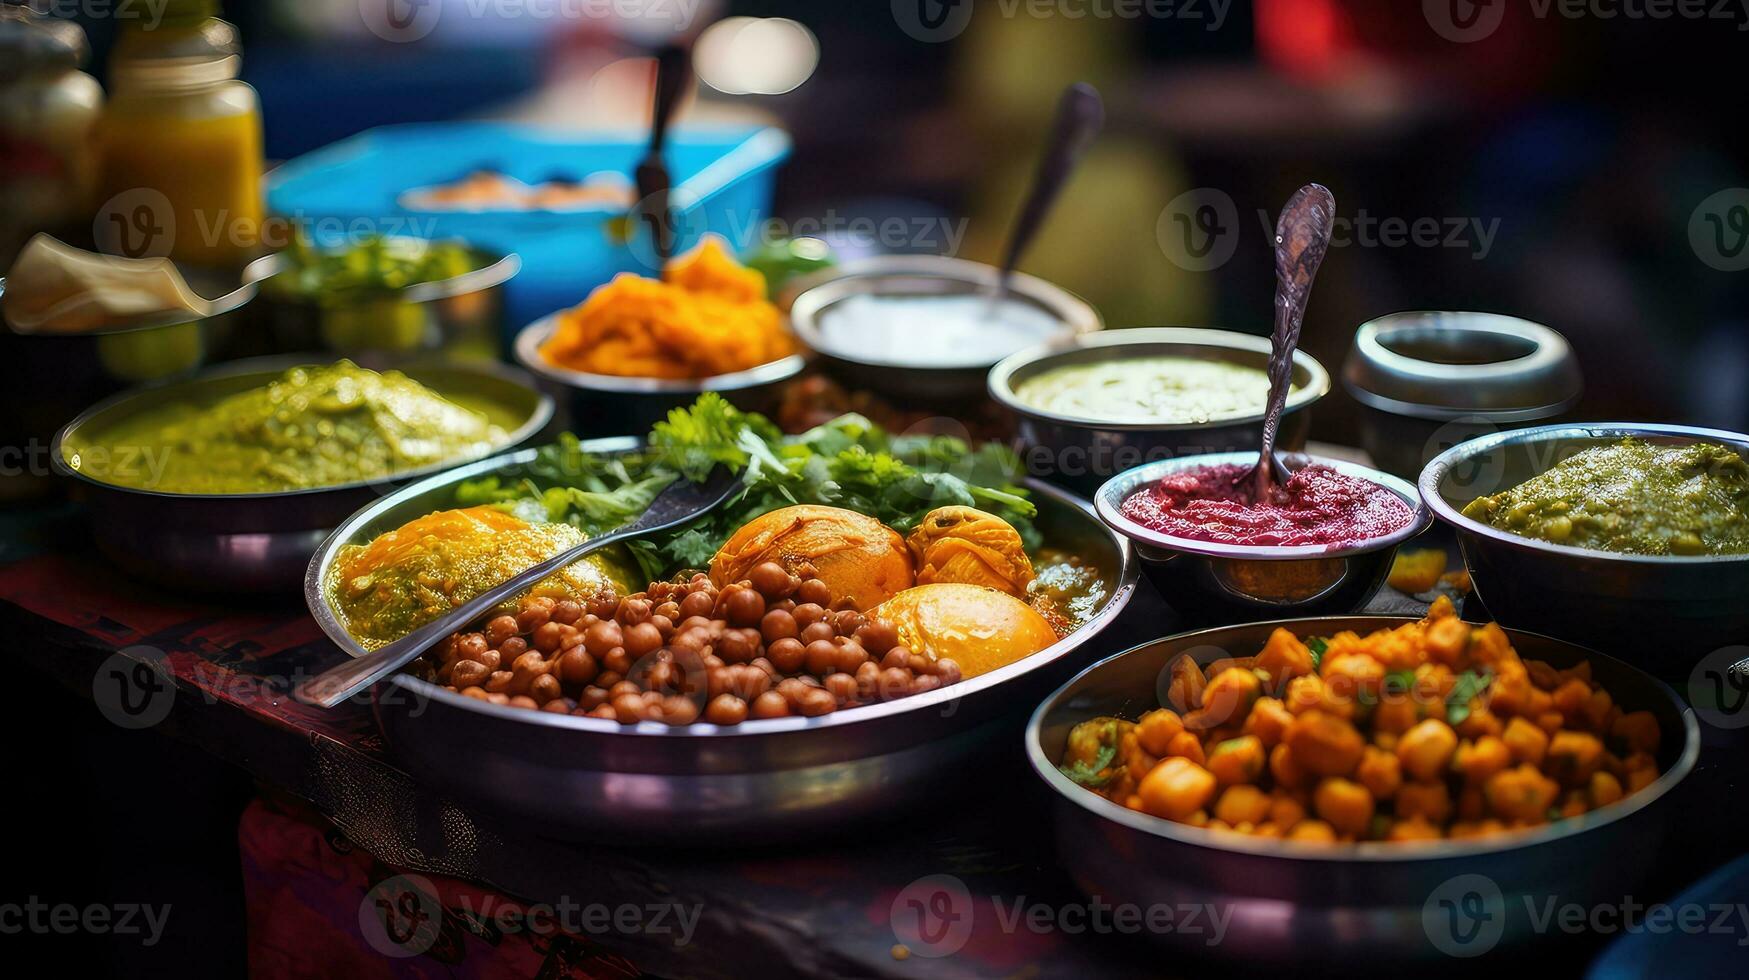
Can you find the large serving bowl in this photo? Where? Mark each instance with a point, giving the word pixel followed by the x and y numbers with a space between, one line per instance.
pixel 1666 611
pixel 609 405
pixel 761 780
pixel 1083 453
pixel 248 542
pixel 1365 905
pixel 1213 582
pixel 955 381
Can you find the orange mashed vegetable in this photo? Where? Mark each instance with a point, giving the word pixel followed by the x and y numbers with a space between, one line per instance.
pixel 708 315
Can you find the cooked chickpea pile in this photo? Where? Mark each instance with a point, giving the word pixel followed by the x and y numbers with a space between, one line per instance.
pixel 771 646
pixel 1436 729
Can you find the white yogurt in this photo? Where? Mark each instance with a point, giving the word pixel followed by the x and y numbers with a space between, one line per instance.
pixel 933 331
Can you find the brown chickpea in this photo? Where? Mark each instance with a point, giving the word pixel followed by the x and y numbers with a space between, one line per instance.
pixel 567 611
pixel 548 637
pixel 559 706
pixel 847 622
pixel 850 655
pixel 492 659
pixel 737 646
pixel 634 611
pixel 669 610
pixel 895 682
pixel 545 688
pixel 512 648
pixel 925 683
pixel 497 697
pixel 471 645
pixel 477 693
pixel 787 605
pixel 815 632
pixel 679 710
pixel 576 666
pixel 777 625
pixel 807 614
pixel 877 637
pixel 948 670
pixel 622 689
pixel 842 686
pixel 814 591
pixel 531 663
pixel 818 701
pixel 697 604
pixel 604 711
pixel 501 628
pixel 769 705
pixel 792 689
pixel 617 660
pixel 719 682
pixel 593 697
pixel 642 639
pixel 603 604
pixel 662 676
pixel 868 678
pixel 896 657
pixel 628 709
pixel 773 581
pixel 498 681
pixel 749 681
pixel 599 637
pixel 821 656
pixel 524 701
pixel 468 673
pixel 531 618
pixel 608 678
pixel 726 709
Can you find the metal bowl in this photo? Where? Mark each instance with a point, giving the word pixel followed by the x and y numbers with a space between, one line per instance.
pixel 1082 453
pixel 1428 381
pixel 46 379
pixel 761 780
pixel 1308 906
pixel 249 542
pixel 460 318
pixel 1665 611
pixel 608 405
pixel 810 299
pixel 1213 582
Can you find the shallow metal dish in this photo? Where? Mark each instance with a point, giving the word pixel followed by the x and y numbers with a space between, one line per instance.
pixel 1312 906
pixel 1082 453
pixel 1429 380
pixel 762 780
pixel 251 542
pixel 608 405
pixel 1212 582
pixel 810 298
pixel 1666 611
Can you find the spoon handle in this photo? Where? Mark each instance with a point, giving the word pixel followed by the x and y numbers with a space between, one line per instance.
pixel 1080 116
pixel 1302 237
pixel 673 69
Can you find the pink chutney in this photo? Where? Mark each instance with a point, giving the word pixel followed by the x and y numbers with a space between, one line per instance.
pixel 1317 506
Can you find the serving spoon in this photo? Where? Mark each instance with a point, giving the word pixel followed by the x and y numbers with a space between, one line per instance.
pixel 673 67
pixel 679 504
pixel 1080 116
pixel 1302 236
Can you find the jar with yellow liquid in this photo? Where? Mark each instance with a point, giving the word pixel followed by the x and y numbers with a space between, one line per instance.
pixel 181 143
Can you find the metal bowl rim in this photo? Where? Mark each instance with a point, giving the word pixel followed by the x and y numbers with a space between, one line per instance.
pixel 1108 502
pixel 315 599
pixel 529 339
pixel 1440 465
pixel 499 268
pixel 538 419
pixel 1363 851
pixel 1001 388
pixel 808 297
pixel 1549 350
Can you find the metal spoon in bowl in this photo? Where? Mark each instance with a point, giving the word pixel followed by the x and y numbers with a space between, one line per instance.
pixel 1080 116
pixel 673 69
pixel 679 504
pixel 1302 236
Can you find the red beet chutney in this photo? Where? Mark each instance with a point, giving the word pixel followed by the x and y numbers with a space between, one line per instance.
pixel 1317 506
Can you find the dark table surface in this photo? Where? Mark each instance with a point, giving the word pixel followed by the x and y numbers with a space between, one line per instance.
pixel 216 675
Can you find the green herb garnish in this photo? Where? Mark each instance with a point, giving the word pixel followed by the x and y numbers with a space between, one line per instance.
pixel 1092 774
pixel 1469 686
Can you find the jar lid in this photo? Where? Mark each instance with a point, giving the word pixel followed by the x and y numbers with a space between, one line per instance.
pixel 1448 365
pixel 31 43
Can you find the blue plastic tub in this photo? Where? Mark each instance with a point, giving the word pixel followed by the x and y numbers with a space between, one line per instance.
pixel 723 184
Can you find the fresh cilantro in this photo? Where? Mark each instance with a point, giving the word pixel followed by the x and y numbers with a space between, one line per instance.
pixel 1317 645
pixel 1092 774
pixel 1469 686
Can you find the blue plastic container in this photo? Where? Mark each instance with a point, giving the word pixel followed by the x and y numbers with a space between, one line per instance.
pixel 723 181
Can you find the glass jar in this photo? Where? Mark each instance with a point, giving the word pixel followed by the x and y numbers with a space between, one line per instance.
pixel 48 109
pixel 181 143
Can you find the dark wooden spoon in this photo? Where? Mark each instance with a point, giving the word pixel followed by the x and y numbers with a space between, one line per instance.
pixel 1302 236
pixel 673 69
pixel 1080 116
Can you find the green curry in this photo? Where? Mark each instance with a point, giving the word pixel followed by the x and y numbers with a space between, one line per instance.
pixel 311 427
pixel 1632 497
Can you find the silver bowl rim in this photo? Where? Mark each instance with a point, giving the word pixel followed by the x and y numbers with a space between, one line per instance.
pixel 1108 502
pixel 1361 851
pixel 499 268
pixel 1002 389
pixel 1442 464
pixel 544 409
pixel 315 599
pixel 529 339
pixel 808 296
pixel 1549 349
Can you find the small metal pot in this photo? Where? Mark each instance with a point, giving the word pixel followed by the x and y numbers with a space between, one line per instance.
pixel 1213 582
pixel 460 318
pixel 1083 453
pixel 1427 381
pixel 246 542
pixel 1373 905
pixel 608 405
pixel 1664 611
pixel 949 385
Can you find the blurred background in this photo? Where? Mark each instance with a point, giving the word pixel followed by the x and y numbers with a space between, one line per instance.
pixel 1573 166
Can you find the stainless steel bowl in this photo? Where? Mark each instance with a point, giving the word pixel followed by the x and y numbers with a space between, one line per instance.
pixel 1664 611
pixel 608 405
pixel 247 542
pixel 1310 906
pixel 762 780
pixel 460 318
pixel 1082 453
pixel 1212 582
pixel 1428 381
pixel 949 385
